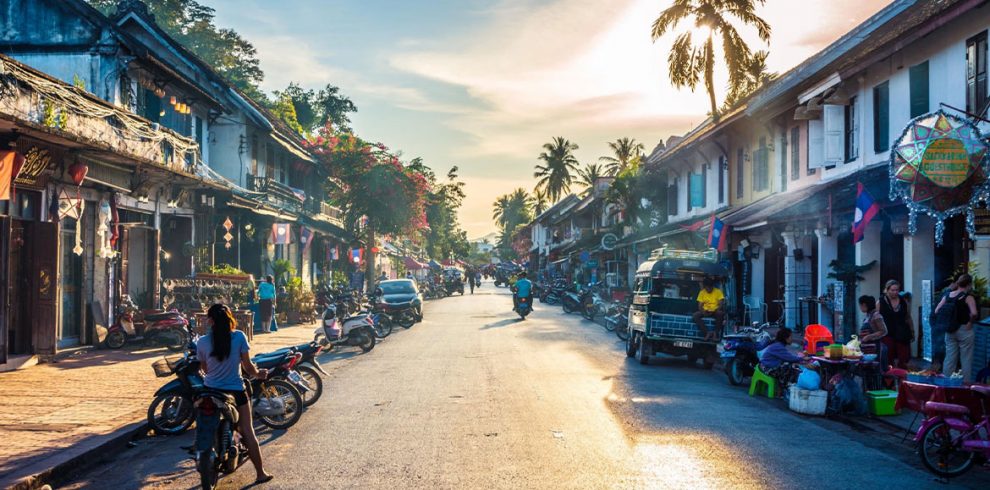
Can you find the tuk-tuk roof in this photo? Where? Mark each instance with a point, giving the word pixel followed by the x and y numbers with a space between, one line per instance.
pixel 671 260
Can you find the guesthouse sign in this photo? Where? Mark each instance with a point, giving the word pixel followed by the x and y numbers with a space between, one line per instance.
pixel 939 167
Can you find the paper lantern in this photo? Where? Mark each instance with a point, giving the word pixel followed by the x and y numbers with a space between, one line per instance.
pixel 78 172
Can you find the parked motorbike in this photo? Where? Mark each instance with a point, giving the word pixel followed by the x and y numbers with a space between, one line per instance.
pixel 307 367
pixel 739 352
pixel 166 329
pixel 218 447
pixel 592 303
pixel 357 330
pixel 951 440
pixel 617 319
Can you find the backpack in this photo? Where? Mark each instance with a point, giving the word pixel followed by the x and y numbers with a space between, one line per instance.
pixel 948 318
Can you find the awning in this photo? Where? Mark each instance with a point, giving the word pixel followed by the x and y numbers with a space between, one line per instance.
pixel 288 145
pixel 413 264
pixel 260 209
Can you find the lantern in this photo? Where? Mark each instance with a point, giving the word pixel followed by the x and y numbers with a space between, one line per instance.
pixel 78 171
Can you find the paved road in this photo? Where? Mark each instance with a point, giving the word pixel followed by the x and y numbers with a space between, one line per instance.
pixel 472 398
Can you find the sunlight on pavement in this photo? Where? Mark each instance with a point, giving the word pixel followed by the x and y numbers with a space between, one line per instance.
pixel 693 461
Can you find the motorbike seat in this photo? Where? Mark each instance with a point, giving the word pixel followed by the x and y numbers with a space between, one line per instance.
pixel 157 317
pixel 949 408
pixel 207 392
pixel 981 390
pixel 355 317
pixel 270 362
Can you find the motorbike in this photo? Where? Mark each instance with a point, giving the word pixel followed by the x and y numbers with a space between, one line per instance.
pixel 591 302
pixel 218 447
pixel 951 440
pixel 308 369
pixel 617 319
pixel 524 306
pixel 357 330
pixel 167 329
pixel 570 301
pixel 739 352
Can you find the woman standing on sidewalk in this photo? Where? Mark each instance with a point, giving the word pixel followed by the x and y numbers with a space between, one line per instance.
pixel 225 352
pixel 960 337
pixel 266 303
pixel 896 313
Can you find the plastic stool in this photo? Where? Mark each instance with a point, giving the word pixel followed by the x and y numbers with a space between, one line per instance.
pixel 760 378
pixel 816 336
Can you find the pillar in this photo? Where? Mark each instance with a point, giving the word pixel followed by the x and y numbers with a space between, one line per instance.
pixel 827 252
pixel 919 265
pixel 868 251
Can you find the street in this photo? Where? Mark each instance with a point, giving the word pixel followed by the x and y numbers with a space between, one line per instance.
pixel 473 398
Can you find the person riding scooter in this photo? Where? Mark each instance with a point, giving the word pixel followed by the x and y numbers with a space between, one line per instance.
pixel 523 288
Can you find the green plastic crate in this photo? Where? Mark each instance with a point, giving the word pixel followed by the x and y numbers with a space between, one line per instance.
pixel 882 402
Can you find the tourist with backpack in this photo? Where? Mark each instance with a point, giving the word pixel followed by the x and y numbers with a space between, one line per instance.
pixel 954 315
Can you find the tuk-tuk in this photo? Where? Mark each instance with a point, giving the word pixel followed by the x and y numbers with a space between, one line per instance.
pixel 453 280
pixel 664 300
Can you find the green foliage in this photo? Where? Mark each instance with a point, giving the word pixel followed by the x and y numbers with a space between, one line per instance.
pixel 282 271
pixel 444 237
pixel 284 109
pixel 315 110
pixel 692 61
pixel 511 211
pixel 624 150
pixel 980 283
pixel 627 192
pixel 224 269
pixel 590 173
pixel 192 25
pixel 297 297
pixel 559 163
pixel 78 82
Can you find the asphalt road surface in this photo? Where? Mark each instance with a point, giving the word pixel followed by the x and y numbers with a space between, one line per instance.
pixel 474 398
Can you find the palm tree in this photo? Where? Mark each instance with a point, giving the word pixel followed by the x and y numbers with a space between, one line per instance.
pixel 624 149
pixel 501 211
pixel 589 174
pixel 558 164
pixel 754 76
pixel 538 201
pixel 692 61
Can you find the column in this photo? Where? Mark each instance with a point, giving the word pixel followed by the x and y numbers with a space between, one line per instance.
pixel 919 265
pixel 827 252
pixel 868 251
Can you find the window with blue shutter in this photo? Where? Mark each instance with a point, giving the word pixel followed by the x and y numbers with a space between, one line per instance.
pixel 881 112
pixel 918 77
pixel 697 191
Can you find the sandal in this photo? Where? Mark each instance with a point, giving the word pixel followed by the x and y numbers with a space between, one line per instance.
pixel 264 479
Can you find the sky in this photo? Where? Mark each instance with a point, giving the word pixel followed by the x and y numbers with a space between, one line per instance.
pixel 483 84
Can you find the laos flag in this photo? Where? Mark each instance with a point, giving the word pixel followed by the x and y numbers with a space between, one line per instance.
pixel 717 234
pixel 866 209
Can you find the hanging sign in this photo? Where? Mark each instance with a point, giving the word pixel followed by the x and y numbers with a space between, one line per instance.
pixel 227 237
pixel 609 241
pixel 939 167
pixel 981 222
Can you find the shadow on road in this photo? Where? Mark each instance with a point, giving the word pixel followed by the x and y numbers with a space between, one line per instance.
pixel 499 324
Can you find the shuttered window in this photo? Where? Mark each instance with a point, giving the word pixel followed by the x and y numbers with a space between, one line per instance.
pixel 672 198
pixel 740 174
pixel 976 73
pixel 761 164
pixel 852 130
pixel 834 121
pixel 881 114
pixel 721 178
pixel 696 199
pixel 816 145
pixel 918 77
pixel 795 153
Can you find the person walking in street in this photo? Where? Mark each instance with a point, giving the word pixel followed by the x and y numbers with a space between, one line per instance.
pixel 873 330
pixel 957 322
pixel 225 353
pixel 896 313
pixel 383 277
pixel 711 304
pixel 266 303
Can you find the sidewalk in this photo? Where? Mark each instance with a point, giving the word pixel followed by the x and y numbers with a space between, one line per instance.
pixel 54 414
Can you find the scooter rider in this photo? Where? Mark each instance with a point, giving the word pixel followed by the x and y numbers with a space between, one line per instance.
pixel 522 288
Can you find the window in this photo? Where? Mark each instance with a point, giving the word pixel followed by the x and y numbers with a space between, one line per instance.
pixel 672 198
pixel 795 153
pixel 761 171
pixel 881 113
pixel 783 161
pixel 918 77
pixel 696 197
pixel 852 130
pixel 976 73
pixel 721 178
pixel 816 145
pixel 740 174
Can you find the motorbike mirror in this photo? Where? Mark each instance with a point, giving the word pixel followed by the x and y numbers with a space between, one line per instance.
pixel 379 292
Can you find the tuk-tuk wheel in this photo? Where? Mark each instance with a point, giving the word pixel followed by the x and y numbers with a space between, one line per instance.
pixel 644 351
pixel 631 344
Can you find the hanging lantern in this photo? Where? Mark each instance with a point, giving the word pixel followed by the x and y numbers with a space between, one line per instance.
pixel 172 100
pixel 78 171
pixel 227 225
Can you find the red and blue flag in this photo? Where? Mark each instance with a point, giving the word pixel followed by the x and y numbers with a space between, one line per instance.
pixel 717 234
pixel 866 209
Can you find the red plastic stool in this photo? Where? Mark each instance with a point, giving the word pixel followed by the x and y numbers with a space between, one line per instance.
pixel 815 337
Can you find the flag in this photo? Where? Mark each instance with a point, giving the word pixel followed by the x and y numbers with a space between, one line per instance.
pixel 694 226
pixel 10 165
pixel 866 209
pixel 334 253
pixel 717 234
pixel 356 255
pixel 281 234
pixel 306 238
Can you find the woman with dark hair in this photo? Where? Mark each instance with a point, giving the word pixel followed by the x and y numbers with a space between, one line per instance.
pixel 896 312
pixel 873 330
pixel 778 361
pixel 960 341
pixel 266 303
pixel 223 353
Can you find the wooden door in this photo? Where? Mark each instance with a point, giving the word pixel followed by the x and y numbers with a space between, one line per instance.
pixel 44 286
pixel 4 285
pixel 154 243
pixel 125 253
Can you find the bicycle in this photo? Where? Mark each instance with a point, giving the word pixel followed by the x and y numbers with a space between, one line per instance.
pixel 948 440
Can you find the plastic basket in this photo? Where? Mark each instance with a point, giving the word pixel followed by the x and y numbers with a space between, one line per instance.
pixel 165 367
pixel 809 402
pixel 882 402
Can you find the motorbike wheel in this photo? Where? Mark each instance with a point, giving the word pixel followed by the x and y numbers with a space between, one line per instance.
pixel 631 346
pixel 369 343
pixel 176 340
pixel 941 453
pixel 170 414
pixel 407 321
pixel 208 475
pixel 278 388
pixel 589 312
pixel 315 382
pixel 384 327
pixel 734 370
pixel 609 326
pixel 567 307
pixel 116 339
pixel 622 331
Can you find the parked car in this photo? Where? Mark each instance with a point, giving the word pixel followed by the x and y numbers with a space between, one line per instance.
pixel 402 301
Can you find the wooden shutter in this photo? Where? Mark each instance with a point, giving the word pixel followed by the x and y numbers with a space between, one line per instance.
pixel 918 77
pixel 156 266
pixel 816 144
pixel 795 153
pixel 881 113
pixel 696 192
pixel 740 174
pixel 44 281
pixel 834 142
pixel 4 285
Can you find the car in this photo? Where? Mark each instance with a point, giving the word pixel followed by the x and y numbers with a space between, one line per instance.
pixel 401 294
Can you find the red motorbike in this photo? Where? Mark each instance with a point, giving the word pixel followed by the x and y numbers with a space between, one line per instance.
pixel 167 329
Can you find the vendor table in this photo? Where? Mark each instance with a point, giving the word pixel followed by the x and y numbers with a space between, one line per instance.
pixel 914 395
pixel 868 370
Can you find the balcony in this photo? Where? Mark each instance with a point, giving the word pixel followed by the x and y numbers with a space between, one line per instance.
pixel 277 194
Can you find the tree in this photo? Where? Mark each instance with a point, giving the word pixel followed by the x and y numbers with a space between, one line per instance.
pixel 444 236
pixel 589 174
pixel 755 76
pixel 315 109
pixel 192 25
pixel 539 201
pixel 626 194
pixel 509 212
pixel 558 164
pixel 285 110
pixel 376 192
pixel 692 61
pixel 623 149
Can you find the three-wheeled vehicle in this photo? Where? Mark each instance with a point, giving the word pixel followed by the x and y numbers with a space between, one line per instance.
pixel 664 300
pixel 453 280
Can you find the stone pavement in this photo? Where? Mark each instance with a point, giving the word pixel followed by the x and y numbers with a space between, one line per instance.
pixel 52 412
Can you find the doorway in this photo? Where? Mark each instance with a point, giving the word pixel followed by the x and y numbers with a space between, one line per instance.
pixel 70 326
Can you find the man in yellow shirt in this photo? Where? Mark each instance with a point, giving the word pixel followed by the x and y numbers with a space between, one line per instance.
pixel 711 304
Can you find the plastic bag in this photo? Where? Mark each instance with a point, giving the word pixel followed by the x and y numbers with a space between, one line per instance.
pixel 847 397
pixel 809 379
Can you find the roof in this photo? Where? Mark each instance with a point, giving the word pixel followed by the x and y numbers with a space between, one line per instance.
pixel 698 134
pixel 876 34
pixel 556 207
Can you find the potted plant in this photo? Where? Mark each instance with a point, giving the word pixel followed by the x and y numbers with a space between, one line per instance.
pixel 299 301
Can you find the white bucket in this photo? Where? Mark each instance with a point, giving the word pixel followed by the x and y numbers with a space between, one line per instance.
pixel 808 402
